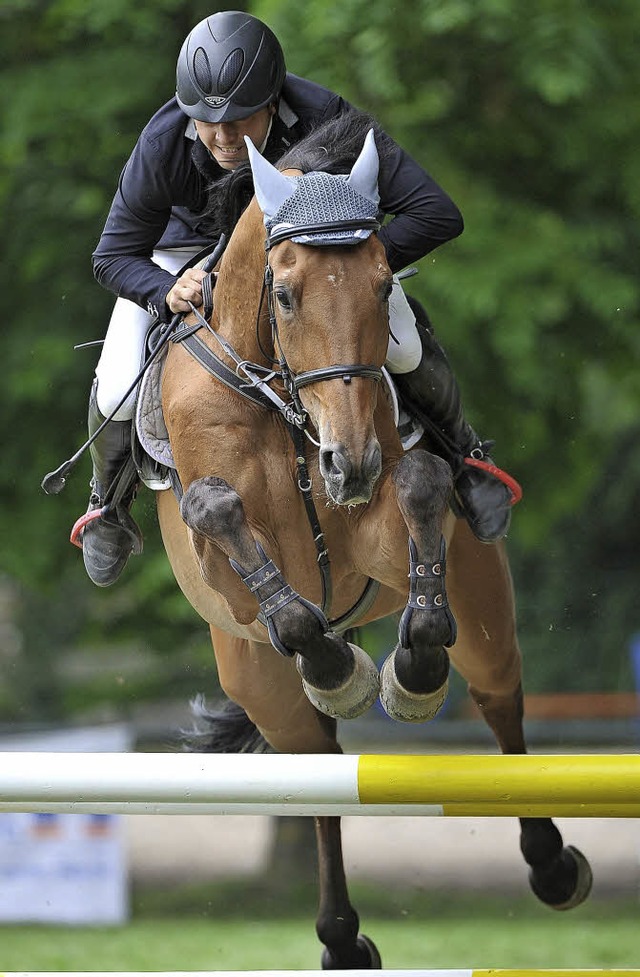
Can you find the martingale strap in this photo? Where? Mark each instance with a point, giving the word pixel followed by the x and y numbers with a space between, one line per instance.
pixel 250 380
pixel 305 486
pixel 212 363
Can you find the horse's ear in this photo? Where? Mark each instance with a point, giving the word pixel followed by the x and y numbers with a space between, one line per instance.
pixel 271 187
pixel 364 175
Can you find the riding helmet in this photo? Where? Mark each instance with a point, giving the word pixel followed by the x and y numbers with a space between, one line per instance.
pixel 230 66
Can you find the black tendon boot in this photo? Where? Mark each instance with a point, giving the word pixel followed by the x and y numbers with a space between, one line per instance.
pixel 432 393
pixel 109 540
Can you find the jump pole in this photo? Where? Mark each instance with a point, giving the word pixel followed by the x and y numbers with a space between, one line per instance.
pixel 307 784
pixel 337 973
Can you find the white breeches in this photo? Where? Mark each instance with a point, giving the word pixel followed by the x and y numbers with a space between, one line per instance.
pixel 404 351
pixel 123 347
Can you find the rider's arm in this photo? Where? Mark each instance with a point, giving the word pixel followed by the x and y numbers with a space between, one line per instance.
pixel 157 176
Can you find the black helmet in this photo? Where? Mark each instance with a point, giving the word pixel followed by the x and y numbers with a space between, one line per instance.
pixel 230 66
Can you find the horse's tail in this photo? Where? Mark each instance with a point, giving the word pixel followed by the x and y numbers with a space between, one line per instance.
pixel 224 729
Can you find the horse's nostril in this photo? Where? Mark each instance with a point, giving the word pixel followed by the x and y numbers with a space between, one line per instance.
pixel 329 463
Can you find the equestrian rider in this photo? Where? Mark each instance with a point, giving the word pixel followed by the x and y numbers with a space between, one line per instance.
pixel 232 82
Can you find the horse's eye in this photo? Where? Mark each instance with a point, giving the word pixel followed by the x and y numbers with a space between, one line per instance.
pixel 284 299
pixel 386 294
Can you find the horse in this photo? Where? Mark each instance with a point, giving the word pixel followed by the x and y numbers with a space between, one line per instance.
pixel 299 513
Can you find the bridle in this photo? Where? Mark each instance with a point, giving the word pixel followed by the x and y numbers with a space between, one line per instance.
pixel 294 382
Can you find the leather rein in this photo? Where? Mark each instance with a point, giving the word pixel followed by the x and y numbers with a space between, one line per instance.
pixel 252 381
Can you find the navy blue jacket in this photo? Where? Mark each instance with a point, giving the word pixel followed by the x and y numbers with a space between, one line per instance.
pixel 163 190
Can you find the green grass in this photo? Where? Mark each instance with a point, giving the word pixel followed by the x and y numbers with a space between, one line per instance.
pixel 238 927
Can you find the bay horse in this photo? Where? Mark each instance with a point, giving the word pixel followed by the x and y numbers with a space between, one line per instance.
pixel 281 547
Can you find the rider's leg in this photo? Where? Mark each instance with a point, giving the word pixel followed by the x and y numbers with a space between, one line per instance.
pixel 429 389
pixel 109 541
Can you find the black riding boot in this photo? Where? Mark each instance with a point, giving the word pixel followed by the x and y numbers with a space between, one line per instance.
pixel 109 541
pixel 432 393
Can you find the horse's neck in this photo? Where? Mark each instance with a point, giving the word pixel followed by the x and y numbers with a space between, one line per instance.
pixel 239 284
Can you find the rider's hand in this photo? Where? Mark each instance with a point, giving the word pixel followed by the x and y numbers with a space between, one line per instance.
pixel 188 288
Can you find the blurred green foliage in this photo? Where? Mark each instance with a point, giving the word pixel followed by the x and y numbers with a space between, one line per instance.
pixel 526 114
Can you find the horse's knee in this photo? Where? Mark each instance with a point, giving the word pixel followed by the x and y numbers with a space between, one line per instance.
pixel 210 506
pixel 423 484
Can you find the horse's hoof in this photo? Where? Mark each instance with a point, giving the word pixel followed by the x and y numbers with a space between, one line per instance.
pixel 353 698
pixel 367 957
pixel 405 706
pixel 567 884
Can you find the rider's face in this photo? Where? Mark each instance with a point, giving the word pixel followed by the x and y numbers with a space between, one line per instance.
pixel 225 140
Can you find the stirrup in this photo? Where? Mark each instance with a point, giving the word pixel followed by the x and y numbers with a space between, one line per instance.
pixel 79 524
pixel 124 522
pixel 484 495
pixel 486 465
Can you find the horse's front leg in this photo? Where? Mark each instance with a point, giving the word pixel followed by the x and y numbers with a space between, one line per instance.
pixel 338 677
pixel 414 679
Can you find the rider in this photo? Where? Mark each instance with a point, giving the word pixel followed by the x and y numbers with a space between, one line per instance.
pixel 232 82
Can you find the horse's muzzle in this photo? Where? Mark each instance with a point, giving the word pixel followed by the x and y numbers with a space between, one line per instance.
pixel 348 482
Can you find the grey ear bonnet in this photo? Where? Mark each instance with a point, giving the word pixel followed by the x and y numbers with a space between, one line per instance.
pixel 318 198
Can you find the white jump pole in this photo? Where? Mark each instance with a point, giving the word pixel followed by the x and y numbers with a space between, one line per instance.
pixel 277 784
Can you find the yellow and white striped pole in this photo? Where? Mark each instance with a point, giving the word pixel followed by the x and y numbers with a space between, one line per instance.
pixel 451 786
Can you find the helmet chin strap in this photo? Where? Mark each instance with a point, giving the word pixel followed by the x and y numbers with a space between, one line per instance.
pixel 262 148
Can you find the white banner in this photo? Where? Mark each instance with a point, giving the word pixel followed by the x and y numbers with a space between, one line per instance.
pixel 64 868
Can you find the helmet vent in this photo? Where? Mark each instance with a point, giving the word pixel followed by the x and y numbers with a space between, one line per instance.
pixel 230 70
pixel 202 70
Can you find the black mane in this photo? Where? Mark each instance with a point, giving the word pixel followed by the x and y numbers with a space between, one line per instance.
pixel 331 148
pixel 334 146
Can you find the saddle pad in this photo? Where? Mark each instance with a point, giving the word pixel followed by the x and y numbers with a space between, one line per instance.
pixel 150 425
